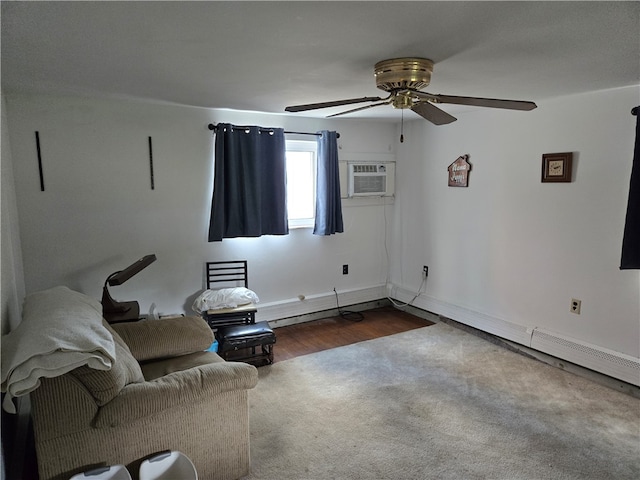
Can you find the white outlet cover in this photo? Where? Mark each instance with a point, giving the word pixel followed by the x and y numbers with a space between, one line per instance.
pixel 575 306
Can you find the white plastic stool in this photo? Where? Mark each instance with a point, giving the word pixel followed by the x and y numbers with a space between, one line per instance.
pixel 113 472
pixel 169 465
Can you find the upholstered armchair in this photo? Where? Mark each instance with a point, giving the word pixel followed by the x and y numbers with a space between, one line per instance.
pixel 162 392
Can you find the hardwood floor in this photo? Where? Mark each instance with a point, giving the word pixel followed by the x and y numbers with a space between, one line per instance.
pixel 318 335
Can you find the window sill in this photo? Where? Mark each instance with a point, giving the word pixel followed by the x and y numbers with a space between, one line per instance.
pixel 299 227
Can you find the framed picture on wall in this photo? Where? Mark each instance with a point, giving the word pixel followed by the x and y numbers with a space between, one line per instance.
pixel 556 167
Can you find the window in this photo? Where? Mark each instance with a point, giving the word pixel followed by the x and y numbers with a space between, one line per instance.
pixel 301 182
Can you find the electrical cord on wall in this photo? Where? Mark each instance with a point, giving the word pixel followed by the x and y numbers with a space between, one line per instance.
pixel 399 305
pixel 346 314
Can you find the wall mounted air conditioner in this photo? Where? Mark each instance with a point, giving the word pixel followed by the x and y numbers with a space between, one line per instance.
pixel 368 179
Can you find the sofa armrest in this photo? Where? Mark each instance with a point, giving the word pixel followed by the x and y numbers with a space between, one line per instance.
pixel 168 337
pixel 61 406
pixel 139 400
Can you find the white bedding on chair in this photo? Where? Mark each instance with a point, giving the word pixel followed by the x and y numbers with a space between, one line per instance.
pixel 60 330
pixel 224 298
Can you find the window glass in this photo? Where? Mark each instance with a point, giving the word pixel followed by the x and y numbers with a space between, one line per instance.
pixel 301 183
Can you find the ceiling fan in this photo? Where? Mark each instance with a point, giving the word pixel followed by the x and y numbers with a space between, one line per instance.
pixel 404 78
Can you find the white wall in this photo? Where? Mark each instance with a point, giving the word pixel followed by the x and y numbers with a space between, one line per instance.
pixel 505 254
pixel 98 213
pixel 509 252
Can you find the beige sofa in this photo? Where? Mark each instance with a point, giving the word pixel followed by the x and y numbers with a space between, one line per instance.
pixel 163 392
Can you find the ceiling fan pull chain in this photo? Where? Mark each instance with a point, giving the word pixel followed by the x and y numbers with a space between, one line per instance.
pixel 402 126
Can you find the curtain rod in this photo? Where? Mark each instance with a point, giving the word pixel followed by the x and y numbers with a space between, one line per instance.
pixel 215 127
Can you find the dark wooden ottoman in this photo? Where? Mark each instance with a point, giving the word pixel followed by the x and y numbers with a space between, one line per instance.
pixel 239 343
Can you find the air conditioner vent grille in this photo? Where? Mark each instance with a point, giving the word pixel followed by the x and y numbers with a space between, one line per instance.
pixel 365 168
pixel 375 185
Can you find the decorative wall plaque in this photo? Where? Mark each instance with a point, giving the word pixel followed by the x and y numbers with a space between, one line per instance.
pixel 459 172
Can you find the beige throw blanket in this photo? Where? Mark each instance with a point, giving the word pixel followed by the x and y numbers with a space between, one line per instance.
pixel 60 330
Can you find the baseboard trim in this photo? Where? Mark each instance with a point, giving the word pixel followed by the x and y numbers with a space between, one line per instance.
pixel 593 357
pixel 590 374
pixel 295 310
pixel 334 312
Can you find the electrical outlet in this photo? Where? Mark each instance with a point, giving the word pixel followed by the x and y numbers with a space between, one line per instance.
pixel 345 269
pixel 425 271
pixel 575 306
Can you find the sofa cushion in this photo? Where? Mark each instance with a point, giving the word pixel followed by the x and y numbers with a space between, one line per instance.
pixel 159 368
pixel 104 385
pixel 167 337
pixel 195 385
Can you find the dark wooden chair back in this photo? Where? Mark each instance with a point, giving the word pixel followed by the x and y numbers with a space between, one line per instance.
pixel 232 273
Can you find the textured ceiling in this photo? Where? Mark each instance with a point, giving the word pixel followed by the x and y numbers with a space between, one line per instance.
pixel 263 56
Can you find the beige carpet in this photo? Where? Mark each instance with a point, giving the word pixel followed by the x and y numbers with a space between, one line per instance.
pixel 437 403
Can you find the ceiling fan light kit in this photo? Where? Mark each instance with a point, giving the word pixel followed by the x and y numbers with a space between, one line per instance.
pixel 404 78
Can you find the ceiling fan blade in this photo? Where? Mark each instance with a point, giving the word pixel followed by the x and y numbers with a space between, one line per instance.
pixel 432 113
pixel 483 102
pixel 336 103
pixel 359 108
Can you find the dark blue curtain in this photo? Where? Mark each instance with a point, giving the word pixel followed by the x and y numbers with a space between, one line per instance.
pixel 328 204
pixel 631 239
pixel 249 185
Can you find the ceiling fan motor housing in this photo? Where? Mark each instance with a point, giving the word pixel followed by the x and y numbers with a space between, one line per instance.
pixel 403 73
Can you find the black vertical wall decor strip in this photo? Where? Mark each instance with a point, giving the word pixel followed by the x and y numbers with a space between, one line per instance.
pixel 631 237
pixel 39 161
pixel 153 187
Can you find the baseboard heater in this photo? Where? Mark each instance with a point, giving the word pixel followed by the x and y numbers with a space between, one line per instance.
pixel 284 312
pixel 615 364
